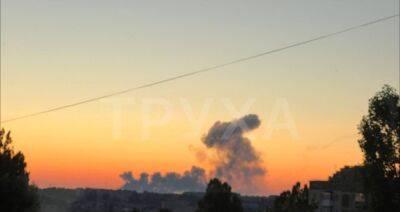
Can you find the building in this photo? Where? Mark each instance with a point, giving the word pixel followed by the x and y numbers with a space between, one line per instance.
pixel 343 192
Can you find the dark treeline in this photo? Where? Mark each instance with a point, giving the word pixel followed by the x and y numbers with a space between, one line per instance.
pixel 218 195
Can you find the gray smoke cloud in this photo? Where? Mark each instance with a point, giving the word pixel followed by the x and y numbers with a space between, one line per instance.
pixel 237 161
pixel 172 182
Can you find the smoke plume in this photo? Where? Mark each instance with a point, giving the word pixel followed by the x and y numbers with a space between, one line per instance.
pixel 237 161
pixel 172 182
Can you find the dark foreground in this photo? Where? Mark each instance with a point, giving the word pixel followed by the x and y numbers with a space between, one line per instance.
pixel 100 200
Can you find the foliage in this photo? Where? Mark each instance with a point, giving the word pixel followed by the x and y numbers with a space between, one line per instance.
pixel 380 143
pixel 16 195
pixel 294 200
pixel 219 198
pixel 348 178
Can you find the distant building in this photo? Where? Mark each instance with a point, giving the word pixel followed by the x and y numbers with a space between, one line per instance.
pixel 341 193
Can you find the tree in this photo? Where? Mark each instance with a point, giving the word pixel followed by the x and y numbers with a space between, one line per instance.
pixel 219 198
pixel 294 200
pixel 348 178
pixel 380 143
pixel 16 194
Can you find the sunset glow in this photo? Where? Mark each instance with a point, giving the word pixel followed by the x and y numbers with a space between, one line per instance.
pixel 310 99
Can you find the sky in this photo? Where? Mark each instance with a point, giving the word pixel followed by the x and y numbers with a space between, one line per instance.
pixel 60 52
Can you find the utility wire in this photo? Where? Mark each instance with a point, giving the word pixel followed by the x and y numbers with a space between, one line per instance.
pixel 211 68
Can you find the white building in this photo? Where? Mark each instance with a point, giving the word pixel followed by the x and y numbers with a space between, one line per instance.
pixel 330 199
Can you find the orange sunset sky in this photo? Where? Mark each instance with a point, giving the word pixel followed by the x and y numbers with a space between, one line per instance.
pixel 60 52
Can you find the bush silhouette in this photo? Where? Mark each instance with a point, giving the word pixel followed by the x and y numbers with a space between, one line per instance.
pixel 219 198
pixel 294 200
pixel 16 194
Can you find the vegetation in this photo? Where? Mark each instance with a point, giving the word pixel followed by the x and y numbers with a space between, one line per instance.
pixel 293 201
pixel 16 194
pixel 219 198
pixel 348 178
pixel 380 143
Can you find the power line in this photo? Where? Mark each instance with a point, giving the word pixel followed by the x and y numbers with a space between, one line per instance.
pixel 212 68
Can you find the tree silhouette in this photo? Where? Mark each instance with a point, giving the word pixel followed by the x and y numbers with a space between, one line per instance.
pixel 380 143
pixel 294 200
pixel 16 195
pixel 219 198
